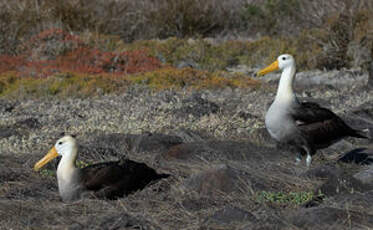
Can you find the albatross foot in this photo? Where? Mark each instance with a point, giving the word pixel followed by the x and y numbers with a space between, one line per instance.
pixel 298 159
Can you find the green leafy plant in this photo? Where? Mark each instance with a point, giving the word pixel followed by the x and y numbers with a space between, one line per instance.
pixel 290 198
pixel 47 172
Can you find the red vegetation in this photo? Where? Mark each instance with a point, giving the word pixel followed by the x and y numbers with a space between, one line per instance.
pixel 11 63
pixel 94 61
pixel 54 51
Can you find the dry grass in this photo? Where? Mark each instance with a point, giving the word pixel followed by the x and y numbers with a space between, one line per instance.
pixel 257 181
pixel 31 200
pixel 147 19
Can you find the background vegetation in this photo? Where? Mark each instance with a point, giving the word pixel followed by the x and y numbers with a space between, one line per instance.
pixel 44 38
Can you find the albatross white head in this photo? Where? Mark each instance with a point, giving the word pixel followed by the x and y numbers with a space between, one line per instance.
pixel 67 173
pixel 65 147
pixel 286 63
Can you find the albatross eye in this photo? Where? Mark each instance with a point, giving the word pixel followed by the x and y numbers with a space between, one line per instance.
pixel 283 58
pixel 60 143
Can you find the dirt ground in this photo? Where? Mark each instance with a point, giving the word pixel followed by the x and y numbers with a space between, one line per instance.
pixel 226 172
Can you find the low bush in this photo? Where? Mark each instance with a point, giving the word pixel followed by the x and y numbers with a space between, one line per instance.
pixel 60 85
pixel 55 51
pixel 188 78
pixel 286 199
pixel 74 84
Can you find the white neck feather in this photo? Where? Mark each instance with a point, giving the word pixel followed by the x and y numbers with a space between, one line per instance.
pixel 66 167
pixel 285 91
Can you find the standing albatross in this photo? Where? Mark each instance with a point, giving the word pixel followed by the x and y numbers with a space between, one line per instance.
pixel 306 126
pixel 108 180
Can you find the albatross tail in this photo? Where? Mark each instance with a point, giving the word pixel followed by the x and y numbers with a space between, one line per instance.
pixel 365 133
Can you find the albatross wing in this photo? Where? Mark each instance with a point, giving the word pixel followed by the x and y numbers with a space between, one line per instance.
pixel 117 178
pixel 320 125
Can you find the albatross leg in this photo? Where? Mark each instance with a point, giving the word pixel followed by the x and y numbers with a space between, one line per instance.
pixel 298 158
pixel 310 151
pixel 308 160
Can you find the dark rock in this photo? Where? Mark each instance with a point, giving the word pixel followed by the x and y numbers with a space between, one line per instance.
pixel 187 63
pixel 11 174
pixel 365 176
pixel 6 132
pixel 364 110
pixel 188 151
pixel 134 142
pixel 370 72
pixel 117 141
pixel 151 142
pixel 29 123
pixel 230 214
pixel 220 178
pixel 246 116
pixel 339 146
pixel 196 106
pixel 198 203
pixel 6 106
pixel 337 181
pixel 330 218
pixel 115 221
pixel 357 200
pixel 361 117
pixel 323 172
pixel 19 128
pixel 42 189
pixel 224 179
pixel 188 135
pixel 230 150
pixel 362 156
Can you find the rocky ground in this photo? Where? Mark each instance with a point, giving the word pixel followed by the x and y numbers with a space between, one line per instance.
pixel 226 172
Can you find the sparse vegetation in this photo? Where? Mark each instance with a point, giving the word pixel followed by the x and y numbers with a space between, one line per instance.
pixel 287 199
pixel 47 172
pixel 84 85
pixel 62 85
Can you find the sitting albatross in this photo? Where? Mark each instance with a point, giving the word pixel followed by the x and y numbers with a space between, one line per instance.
pixel 105 180
pixel 306 126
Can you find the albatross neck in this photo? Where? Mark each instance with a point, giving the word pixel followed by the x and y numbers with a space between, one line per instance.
pixel 285 92
pixel 66 166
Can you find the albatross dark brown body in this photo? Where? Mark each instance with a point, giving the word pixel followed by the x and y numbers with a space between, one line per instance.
pixel 111 180
pixel 320 126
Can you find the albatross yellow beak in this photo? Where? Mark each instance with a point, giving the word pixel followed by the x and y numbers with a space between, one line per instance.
pixel 50 156
pixel 272 67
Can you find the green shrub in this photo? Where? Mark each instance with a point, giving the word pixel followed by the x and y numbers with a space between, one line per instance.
pixel 288 199
pixel 188 78
pixel 61 85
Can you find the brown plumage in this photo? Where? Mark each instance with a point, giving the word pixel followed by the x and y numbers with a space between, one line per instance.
pixel 319 128
pixel 118 178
